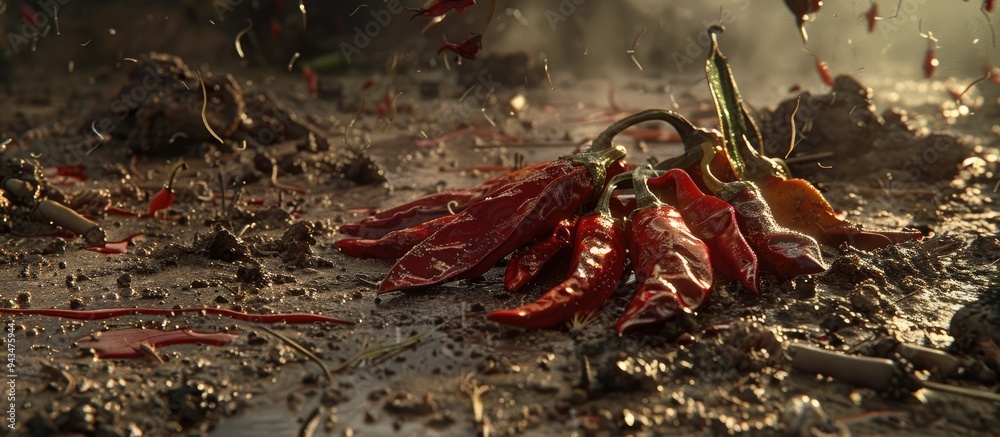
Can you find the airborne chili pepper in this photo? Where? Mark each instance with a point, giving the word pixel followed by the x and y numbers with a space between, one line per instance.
pixel 786 252
pixel 714 221
pixel 441 7
pixel 597 267
pixel 467 49
pixel 528 262
pixel 672 266
pixel 166 196
pixel 802 8
pixel 490 229
pixel 394 244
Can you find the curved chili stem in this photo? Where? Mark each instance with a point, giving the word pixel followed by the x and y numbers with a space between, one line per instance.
pixel 173 175
pixel 604 203
pixel 688 132
pixel 708 151
pixel 644 197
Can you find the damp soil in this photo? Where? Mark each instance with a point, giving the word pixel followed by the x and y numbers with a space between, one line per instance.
pixel 300 165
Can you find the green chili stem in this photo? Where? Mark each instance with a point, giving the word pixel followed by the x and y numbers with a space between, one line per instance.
pixel 604 203
pixel 688 132
pixel 173 175
pixel 644 197
pixel 708 151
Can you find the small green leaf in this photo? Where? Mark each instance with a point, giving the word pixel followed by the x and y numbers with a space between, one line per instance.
pixel 738 129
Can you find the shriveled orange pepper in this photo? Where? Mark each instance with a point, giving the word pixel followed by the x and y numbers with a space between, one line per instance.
pixel 799 206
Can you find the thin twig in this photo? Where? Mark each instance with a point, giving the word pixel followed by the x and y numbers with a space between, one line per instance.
pixel 635 43
pixel 303 350
pixel 204 107
pixel 791 120
pixel 239 46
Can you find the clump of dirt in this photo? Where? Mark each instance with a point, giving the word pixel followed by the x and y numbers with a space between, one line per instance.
pixel 843 129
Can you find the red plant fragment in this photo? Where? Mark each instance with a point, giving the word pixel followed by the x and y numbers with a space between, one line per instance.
pixel 930 63
pixel 107 313
pixel 312 81
pixel 115 246
pixel 467 49
pixel 68 173
pixel 128 343
pixel 166 196
pixel 441 7
pixel 872 17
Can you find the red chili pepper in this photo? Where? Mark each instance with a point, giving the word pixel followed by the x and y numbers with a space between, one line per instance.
pixel 490 229
pixel 166 196
pixel 394 244
pixel 431 206
pixel 528 262
pixel 872 17
pixel 714 221
pixel 411 214
pixel 672 266
pixel 822 68
pixel 441 7
pixel 78 172
pixel 786 252
pixel 597 267
pixel 930 63
pixel 988 5
pixel 467 49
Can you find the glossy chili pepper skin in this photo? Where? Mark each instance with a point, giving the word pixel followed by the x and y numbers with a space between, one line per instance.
pixel 597 267
pixel 394 244
pixel 713 221
pixel 411 214
pixel 787 253
pixel 431 206
pixel 799 206
pixel 672 268
pixel 529 261
pixel 490 229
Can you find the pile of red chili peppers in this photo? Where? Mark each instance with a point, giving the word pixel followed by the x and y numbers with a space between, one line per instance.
pixel 719 208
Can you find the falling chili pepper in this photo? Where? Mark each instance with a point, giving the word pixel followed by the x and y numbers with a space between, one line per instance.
pixel 930 63
pixel 872 17
pixel 166 196
pixel 714 221
pixel 441 7
pixel 467 49
pixel 988 5
pixel 786 252
pixel 802 8
pixel 672 266
pixel 821 68
pixel 528 262
pixel 312 80
pixel 488 230
pixel 394 244
pixel 596 269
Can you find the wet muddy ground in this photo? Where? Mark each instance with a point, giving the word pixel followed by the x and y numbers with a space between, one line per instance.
pixel 428 362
